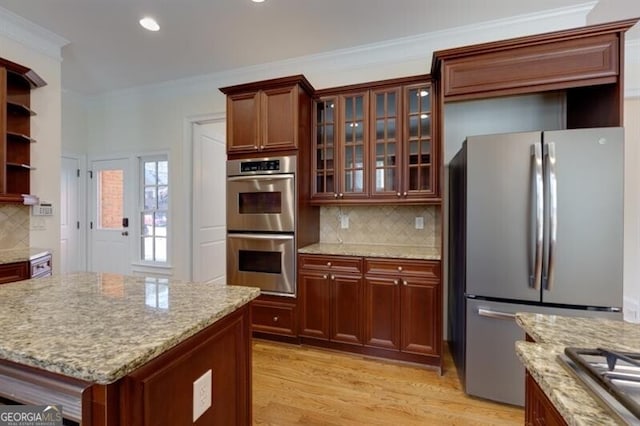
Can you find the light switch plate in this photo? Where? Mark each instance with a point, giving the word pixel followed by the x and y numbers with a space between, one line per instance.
pixel 344 222
pixel 419 222
pixel 201 395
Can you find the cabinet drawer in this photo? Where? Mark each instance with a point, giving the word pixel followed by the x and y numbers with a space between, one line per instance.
pixel 11 272
pixel 331 263
pixel 270 317
pixel 41 267
pixel 568 63
pixel 423 268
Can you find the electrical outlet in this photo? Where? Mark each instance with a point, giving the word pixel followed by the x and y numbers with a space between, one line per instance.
pixel 419 222
pixel 344 222
pixel 201 395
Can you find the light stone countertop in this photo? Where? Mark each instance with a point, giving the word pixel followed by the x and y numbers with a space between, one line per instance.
pixel 373 250
pixel 21 255
pixel 100 327
pixel 552 334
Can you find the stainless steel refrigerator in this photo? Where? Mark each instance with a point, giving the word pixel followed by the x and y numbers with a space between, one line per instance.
pixel 535 225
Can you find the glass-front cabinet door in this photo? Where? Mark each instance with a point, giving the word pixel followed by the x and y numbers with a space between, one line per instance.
pixel 353 145
pixel 325 166
pixel 386 143
pixel 419 180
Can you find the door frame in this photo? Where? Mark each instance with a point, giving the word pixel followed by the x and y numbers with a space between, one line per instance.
pixel 189 124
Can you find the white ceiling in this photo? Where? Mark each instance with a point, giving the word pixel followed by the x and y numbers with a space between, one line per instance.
pixel 108 50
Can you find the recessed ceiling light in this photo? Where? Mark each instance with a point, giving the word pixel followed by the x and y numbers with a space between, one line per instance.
pixel 148 23
pixel 257 1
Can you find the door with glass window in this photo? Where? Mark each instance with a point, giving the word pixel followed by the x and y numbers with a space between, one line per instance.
pixel 110 232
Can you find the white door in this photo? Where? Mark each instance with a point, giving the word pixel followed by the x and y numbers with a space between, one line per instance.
pixel 110 238
pixel 71 256
pixel 209 195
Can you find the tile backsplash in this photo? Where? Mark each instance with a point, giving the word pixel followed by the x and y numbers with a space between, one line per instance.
pixel 14 226
pixel 381 225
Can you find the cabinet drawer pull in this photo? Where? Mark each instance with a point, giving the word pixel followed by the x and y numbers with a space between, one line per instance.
pixel 276 319
pixel 329 264
pixel 399 268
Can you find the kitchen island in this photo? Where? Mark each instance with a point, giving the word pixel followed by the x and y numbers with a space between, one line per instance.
pixel 551 333
pixel 120 350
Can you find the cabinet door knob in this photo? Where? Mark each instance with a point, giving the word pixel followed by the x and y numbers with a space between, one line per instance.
pixel 329 264
pixel 395 282
pixel 324 277
pixel 276 319
pixel 333 277
pixel 398 194
pixel 335 195
pixel 404 194
pixel 399 268
pixel 341 195
pixel 255 147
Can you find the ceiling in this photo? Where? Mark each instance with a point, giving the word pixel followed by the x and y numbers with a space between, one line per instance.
pixel 108 50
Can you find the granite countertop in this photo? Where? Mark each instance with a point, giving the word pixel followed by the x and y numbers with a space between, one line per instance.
pixel 21 255
pixel 100 327
pixel 373 250
pixel 552 334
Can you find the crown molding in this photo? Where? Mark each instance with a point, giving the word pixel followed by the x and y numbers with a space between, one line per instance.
pixel 411 55
pixel 31 35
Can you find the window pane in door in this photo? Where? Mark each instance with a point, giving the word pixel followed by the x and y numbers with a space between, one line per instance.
pixel 110 199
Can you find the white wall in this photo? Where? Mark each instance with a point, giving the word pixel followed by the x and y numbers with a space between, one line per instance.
pixel 46 129
pixel 153 118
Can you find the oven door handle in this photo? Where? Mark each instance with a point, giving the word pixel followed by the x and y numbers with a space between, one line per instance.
pixel 261 178
pixel 261 236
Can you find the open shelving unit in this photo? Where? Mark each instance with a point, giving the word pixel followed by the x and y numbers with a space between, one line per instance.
pixel 16 84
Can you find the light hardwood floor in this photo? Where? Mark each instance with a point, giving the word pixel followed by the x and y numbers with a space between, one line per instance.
pixel 295 385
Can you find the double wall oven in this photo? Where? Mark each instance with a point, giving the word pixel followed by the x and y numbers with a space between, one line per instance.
pixel 261 224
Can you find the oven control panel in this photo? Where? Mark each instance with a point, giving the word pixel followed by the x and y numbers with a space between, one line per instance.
pixel 262 166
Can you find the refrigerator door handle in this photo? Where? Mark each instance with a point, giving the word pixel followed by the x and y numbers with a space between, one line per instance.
pixel 496 314
pixel 550 167
pixel 535 280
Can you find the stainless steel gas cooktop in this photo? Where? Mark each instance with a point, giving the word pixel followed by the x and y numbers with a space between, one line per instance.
pixel 612 376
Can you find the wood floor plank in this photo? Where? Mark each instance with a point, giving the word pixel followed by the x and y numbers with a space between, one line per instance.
pixel 294 385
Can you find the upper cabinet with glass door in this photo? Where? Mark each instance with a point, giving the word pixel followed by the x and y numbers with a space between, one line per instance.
pixel 341 164
pixel 376 144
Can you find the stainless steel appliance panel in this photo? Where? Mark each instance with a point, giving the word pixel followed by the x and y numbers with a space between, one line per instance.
pixel 585 255
pixel 493 370
pixel 261 194
pixel 500 241
pixel 266 261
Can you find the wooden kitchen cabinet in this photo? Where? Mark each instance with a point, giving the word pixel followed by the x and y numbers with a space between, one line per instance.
pixel 331 298
pixel 539 410
pixel 375 143
pixel 11 272
pixel 274 315
pixel 16 83
pixel 584 63
pixel 388 308
pixel 268 116
pixel 402 305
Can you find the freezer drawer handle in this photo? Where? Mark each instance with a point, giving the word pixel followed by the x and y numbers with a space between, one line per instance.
pixel 496 315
